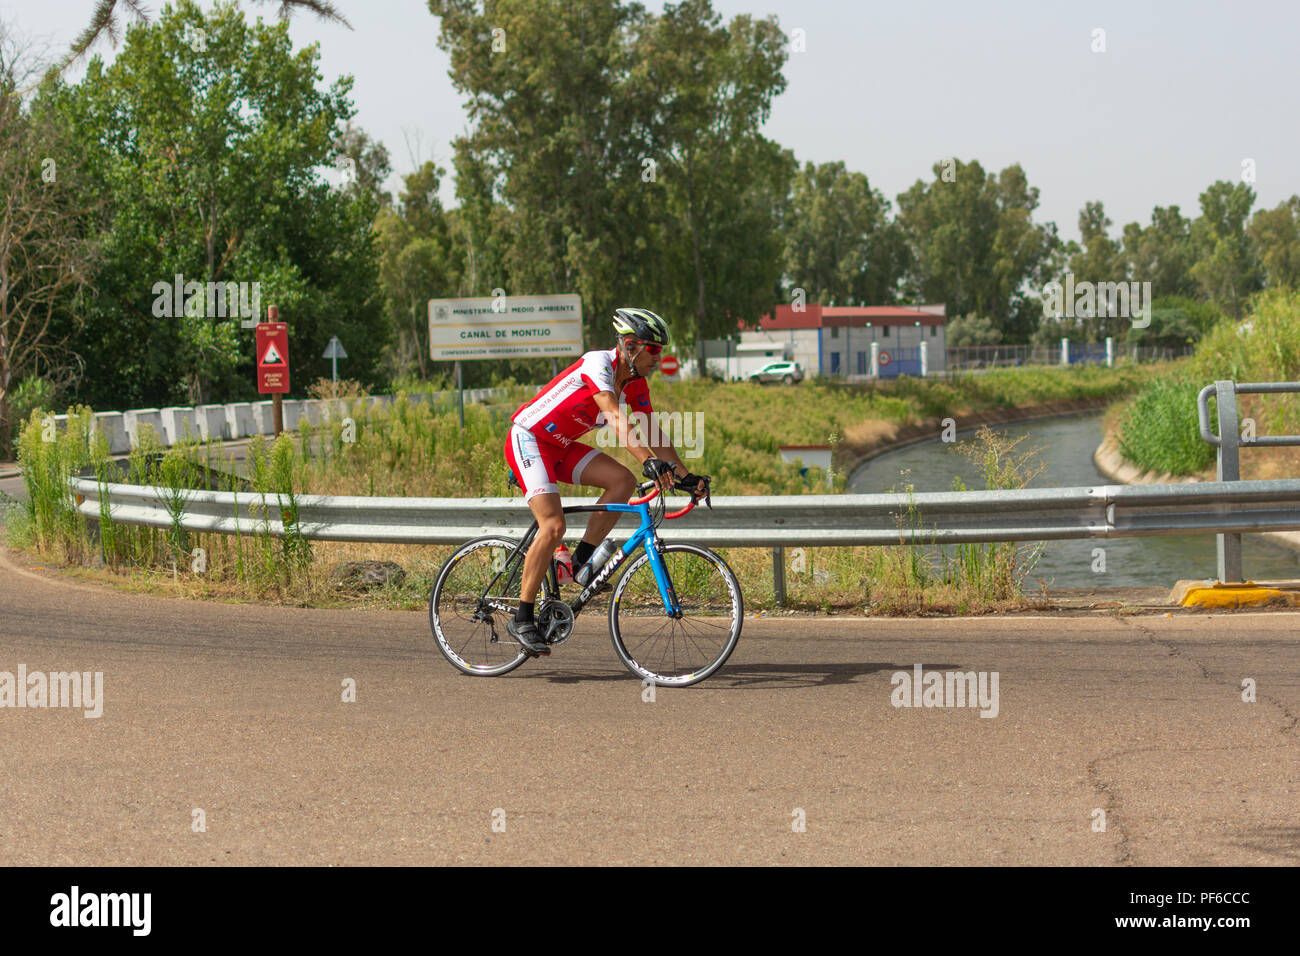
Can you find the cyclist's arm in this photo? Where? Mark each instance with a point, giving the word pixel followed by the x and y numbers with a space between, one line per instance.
pixel 615 418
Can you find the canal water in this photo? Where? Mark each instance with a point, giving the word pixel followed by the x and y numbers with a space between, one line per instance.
pixel 1065 447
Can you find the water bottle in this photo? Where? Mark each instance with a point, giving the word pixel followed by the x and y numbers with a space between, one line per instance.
pixel 563 565
pixel 587 573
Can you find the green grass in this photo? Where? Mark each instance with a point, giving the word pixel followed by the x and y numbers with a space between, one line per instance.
pixel 415 450
pixel 1159 429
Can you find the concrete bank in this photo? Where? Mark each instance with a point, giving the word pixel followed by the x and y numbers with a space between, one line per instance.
pixel 1110 462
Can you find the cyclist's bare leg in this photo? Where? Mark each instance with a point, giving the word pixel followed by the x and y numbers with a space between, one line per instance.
pixel 550 532
pixel 619 484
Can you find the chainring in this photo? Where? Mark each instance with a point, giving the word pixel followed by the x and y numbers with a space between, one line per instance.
pixel 555 621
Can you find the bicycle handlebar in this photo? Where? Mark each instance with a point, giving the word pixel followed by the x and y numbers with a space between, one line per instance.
pixel 654 492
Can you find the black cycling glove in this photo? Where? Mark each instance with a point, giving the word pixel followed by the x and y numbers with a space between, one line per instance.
pixel 692 482
pixel 654 467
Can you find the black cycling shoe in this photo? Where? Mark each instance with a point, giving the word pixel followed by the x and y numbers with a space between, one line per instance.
pixel 528 635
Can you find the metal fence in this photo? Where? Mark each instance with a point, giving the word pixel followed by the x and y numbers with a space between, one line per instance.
pixel 969 357
pixel 774 522
pixel 1229 442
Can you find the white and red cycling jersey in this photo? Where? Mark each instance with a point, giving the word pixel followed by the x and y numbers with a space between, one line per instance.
pixel 542 446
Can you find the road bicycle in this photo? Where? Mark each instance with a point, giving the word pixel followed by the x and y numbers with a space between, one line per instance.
pixel 675 613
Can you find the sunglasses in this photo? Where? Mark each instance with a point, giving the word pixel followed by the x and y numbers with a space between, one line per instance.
pixel 652 349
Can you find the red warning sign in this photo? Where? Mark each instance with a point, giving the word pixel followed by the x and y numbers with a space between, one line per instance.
pixel 273 357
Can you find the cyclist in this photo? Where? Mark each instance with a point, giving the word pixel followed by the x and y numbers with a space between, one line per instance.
pixel 542 449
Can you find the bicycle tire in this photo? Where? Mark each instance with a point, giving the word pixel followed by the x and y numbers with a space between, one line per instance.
pixel 452 606
pixel 641 631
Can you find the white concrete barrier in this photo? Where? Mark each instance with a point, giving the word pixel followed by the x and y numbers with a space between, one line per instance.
pixel 113 427
pixel 239 420
pixel 179 424
pixel 313 410
pixel 291 412
pixel 212 421
pixel 335 409
pixel 263 418
pixel 139 418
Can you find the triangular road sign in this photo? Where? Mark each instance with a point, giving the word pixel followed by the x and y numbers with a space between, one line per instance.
pixel 272 357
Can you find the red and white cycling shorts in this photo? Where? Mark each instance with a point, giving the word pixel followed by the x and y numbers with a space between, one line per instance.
pixel 538 465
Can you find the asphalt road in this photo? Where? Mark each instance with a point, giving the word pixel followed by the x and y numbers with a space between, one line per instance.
pixel 237 711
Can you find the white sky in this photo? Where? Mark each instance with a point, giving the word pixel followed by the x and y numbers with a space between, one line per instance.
pixel 1183 94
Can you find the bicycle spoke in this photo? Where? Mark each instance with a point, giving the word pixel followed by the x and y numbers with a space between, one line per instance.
pixel 677 650
pixel 459 594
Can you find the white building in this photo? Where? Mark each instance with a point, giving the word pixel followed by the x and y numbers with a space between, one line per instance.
pixel 836 341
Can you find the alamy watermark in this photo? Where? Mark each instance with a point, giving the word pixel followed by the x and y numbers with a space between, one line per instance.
pixel 78 689
pixel 211 300
pixel 1087 300
pixel 129 910
pixel 683 430
pixel 921 688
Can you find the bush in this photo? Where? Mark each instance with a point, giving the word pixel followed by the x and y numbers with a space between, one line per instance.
pixel 1161 432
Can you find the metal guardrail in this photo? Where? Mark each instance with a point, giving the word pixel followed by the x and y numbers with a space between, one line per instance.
pixel 1228 442
pixel 778 522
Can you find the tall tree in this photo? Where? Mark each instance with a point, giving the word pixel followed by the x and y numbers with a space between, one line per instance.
pixel 208 134
pixel 840 246
pixel 553 141
pixel 104 21
pixel 1226 266
pixel 973 244
pixel 415 266
pixel 45 251
pixel 1100 260
pixel 1276 235
pixel 705 91
pixel 617 155
pixel 1161 253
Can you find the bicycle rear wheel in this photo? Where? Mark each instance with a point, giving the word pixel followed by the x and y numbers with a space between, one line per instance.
pixel 677 651
pixel 468 621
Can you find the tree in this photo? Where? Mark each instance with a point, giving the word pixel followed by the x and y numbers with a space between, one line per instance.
pixel 1226 267
pixel 415 266
pixel 1176 321
pixel 45 257
pixel 1161 253
pixel 104 21
pixel 973 244
pixel 1099 260
pixel 705 91
pixel 617 155
pixel 1276 235
pixel 840 246
pixel 967 330
pixel 553 158
pixel 207 135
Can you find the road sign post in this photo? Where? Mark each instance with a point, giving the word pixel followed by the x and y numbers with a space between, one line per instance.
pixel 335 351
pixel 273 363
pixel 460 396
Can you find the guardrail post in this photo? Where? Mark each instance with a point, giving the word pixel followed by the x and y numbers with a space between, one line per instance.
pixel 778 574
pixel 1229 545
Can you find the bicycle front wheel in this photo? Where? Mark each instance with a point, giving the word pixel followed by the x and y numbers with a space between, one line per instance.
pixel 677 651
pixel 468 619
